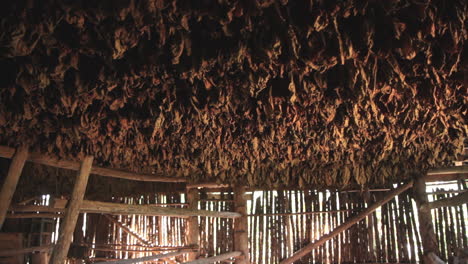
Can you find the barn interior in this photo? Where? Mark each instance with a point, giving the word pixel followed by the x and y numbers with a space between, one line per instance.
pixel 233 131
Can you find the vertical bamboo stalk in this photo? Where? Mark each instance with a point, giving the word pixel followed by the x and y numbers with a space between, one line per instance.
pixel 11 180
pixel 60 251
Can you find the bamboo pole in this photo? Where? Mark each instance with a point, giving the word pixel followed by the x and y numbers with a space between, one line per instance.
pixel 426 228
pixel 241 239
pixel 6 152
pixel 307 249
pixel 457 200
pixel 127 230
pixel 192 223
pixel 143 259
pixel 11 180
pixel 60 251
pixel 215 258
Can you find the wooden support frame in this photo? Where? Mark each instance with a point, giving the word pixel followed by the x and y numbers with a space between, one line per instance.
pixel 350 222
pixel 60 251
pixel 241 239
pixel 143 259
pixel 11 181
pixel 459 199
pixel 6 152
pixel 193 231
pixel 221 257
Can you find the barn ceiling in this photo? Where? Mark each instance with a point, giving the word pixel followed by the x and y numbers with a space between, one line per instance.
pixel 266 93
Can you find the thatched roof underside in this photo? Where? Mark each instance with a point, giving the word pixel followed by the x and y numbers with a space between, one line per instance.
pixel 266 93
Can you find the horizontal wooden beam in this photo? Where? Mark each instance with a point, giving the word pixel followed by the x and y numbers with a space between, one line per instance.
pixel 31 216
pixel 143 259
pixel 350 222
pixel 459 199
pixel 447 174
pixel 207 185
pixel 128 209
pixel 22 251
pixel 7 152
pixel 215 258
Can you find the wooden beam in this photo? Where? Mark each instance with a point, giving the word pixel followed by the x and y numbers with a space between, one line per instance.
pixel 6 152
pixel 350 222
pixel 459 199
pixel 447 174
pixel 426 228
pixel 128 209
pixel 193 231
pixel 59 254
pixel 143 259
pixel 31 216
pixel 11 180
pixel 207 185
pixel 241 239
pixel 23 251
pixel 215 258
pixel 127 230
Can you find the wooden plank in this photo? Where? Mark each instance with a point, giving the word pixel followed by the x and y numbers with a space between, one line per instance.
pixel 64 240
pixel 241 239
pixel 6 152
pixel 193 231
pixel 127 230
pixel 457 200
pixel 11 180
pixel 143 259
pixel 215 258
pixel 387 197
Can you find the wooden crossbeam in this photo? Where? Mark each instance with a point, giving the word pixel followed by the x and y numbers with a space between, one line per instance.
pixel 143 259
pixel 459 199
pixel 23 251
pixel 127 209
pixel 6 152
pixel 215 258
pixel 11 180
pixel 350 222
pixel 60 251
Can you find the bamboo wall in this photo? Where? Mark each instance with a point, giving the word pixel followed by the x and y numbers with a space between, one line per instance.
pixel 277 228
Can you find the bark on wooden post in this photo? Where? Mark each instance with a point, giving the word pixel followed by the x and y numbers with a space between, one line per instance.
pixel 192 224
pixel 60 251
pixel 241 239
pixel 426 228
pixel 11 180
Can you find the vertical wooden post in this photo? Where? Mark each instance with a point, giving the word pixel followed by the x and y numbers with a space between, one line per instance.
pixel 60 251
pixel 426 228
pixel 193 231
pixel 11 180
pixel 241 238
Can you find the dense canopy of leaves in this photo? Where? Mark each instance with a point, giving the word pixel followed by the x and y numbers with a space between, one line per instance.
pixel 263 92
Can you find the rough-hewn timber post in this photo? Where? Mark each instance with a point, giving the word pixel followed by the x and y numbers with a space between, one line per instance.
pixel 426 228
pixel 241 239
pixel 192 223
pixel 60 251
pixel 11 180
